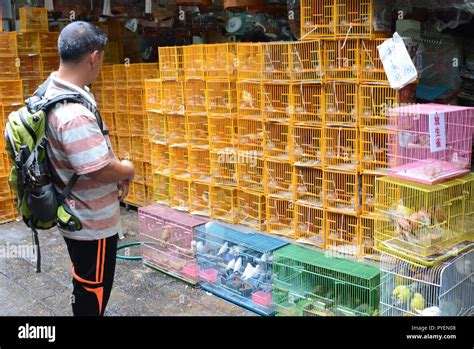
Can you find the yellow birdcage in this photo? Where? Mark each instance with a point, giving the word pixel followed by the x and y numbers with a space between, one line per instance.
pixel 276 101
pixel 9 44
pixel 306 146
pixel 341 60
pixel 341 104
pixel 373 150
pixel 153 94
pixel 224 167
pixel 179 162
pixel 157 127
pixel 179 193
pixel 124 147
pixel 172 96
pixel 121 100
pixel 161 189
pixel 122 124
pixel 424 221
pixel 138 72
pixel 109 121
pixel 114 143
pixel 138 148
pixel 306 103
pixel 160 157
pixel 278 178
pixel 354 18
pixel 108 100
pixel 276 61
pixel 374 103
pixel 224 204
pixel 250 172
pixel 249 61
pixel 49 43
pixel 30 86
pixel 221 60
pixel 195 96
pixel 250 137
pixel 366 243
pixel 251 207
pixel 371 65
pixel 194 61
pixel 306 60
pixel 221 97
pixel 368 193
pixel 223 132
pixel 317 19
pixel 171 62
pixel 341 191
pixel 309 227
pixel 139 167
pixel 280 217
pixel 197 130
pixel 199 199
pixel 11 91
pixel 136 100
pixel 177 129
pixel 30 67
pixel 27 43
pixel 249 99
pixel 10 68
pixel 276 139
pixel 342 233
pixel 308 186
pixel 33 19
pixel 107 76
pixel 200 164
pixel 120 75
pixel 341 148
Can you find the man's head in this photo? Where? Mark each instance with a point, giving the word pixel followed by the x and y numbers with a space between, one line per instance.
pixel 81 49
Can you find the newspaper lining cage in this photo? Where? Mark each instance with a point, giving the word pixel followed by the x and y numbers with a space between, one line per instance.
pixel 441 290
pixel 236 264
pixel 310 225
pixel 426 223
pixel 252 209
pixel 431 143
pixel 166 237
pixel 309 283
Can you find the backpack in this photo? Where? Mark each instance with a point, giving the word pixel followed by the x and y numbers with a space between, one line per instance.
pixel 31 178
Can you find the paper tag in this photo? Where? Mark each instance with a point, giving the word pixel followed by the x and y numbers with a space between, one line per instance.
pixel 437 132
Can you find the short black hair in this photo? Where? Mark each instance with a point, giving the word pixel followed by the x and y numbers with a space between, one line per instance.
pixel 78 39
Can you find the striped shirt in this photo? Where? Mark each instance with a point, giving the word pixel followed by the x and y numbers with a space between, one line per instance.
pixel 76 145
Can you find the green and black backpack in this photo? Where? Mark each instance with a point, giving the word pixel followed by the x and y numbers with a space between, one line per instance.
pixel 32 175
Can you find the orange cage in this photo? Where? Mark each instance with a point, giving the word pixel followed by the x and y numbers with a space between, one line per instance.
pixel 341 191
pixel 306 103
pixel 306 145
pixel 308 186
pixel 251 208
pixel 309 228
pixel 340 148
pixel 224 204
pixel 280 217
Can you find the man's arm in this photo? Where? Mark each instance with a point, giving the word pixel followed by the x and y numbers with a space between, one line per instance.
pixel 115 172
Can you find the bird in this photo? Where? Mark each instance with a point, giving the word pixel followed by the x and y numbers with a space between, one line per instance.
pixel 418 302
pixel 431 311
pixel 252 272
pixel 231 264
pixel 166 234
pixel 401 293
pixel 238 264
pixel 265 257
pixel 201 247
pixel 246 270
pixel 223 248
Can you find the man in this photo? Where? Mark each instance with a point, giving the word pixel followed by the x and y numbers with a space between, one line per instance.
pixel 78 145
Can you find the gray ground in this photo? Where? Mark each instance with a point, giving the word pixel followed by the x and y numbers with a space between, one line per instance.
pixel 138 290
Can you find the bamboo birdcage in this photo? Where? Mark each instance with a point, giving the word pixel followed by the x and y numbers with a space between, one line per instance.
pixel 278 178
pixel 250 172
pixel 221 97
pixel 250 137
pixel 195 96
pixel 306 60
pixel 197 127
pixel 276 101
pixel 200 164
pixel 341 60
pixel 306 146
pixel 249 61
pixel 161 189
pixel 308 186
pixel 224 167
pixel 310 223
pixel 200 199
pixel 317 19
pixel 224 204
pixel 252 211
pixel 374 150
pixel 342 233
pixel 276 141
pixel 341 191
pixel 374 103
pixel 179 162
pixel 179 193
pixel 280 217
pixel 306 103
pixel 341 104
pixel 221 61
pixel 340 149
pixel 249 99
pixel 194 64
pixel 276 61
pixel 171 62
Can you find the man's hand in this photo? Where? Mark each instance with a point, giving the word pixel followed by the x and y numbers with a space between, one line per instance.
pixel 129 164
pixel 123 189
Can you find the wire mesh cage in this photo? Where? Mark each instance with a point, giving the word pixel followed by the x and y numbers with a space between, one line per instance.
pixel 250 137
pixel 306 145
pixel 25 43
pixel 425 223
pixel 121 100
pixel 340 149
pixel 249 61
pixel 368 193
pixel 224 167
pixel 108 100
pixel 310 222
pixel 309 283
pixel 280 217
pixel 33 19
pixel 306 103
pixel 177 129
pixel 166 237
pixel 11 92
pixel 199 199
pixel 317 19
pixel 48 42
pixel 374 150
pixel 195 96
pixel 236 264
pixel 431 143
pixel 223 133
pixel 276 61
pixel 160 158
pixel 276 101
pixel 171 62
pixel 157 127
pixel 194 61
pixel 342 233
pixel 200 164
pixel 367 244
pixel 224 204
pixel 251 206
pixel 442 290
pixel 276 141
pixel 278 178
pixel 249 99
pixel 122 123
pixel 371 65
pixel 374 102
pixel 179 161
pixel 221 60
pixel 221 96
pixel 306 60
pixel 341 191
pixel 341 104
pixel 10 68
pixel 179 193
pixel 308 185
pixel 161 189
pixel 153 94
pixel 137 73
pixel 354 18
pixel 172 96
pixel 136 100
pixel 250 172
pixel 341 60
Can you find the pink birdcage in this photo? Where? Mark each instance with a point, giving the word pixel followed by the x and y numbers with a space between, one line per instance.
pixel 431 142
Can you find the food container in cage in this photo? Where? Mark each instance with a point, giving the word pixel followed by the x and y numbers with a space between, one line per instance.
pixel 262 297
pixel 208 275
pixel 431 142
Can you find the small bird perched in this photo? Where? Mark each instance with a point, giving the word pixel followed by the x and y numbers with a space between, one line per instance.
pixel 201 247
pixel 223 248
pixel 248 267
pixel 418 302
pixel 265 257
pixel 238 264
pixel 231 264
